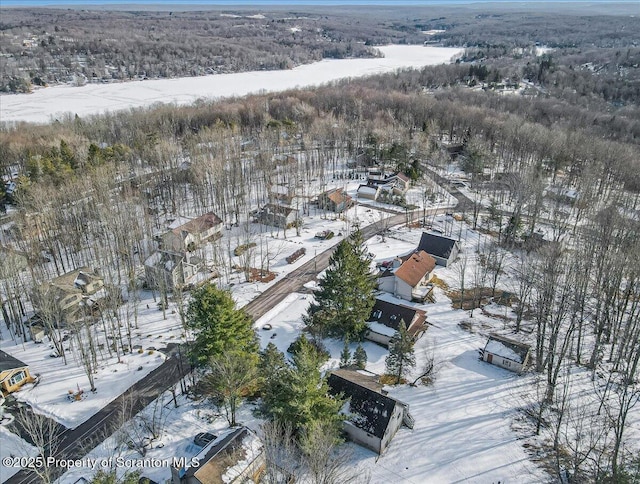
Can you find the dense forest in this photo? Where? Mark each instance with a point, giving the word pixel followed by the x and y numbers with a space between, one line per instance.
pixel 46 46
pixel 95 190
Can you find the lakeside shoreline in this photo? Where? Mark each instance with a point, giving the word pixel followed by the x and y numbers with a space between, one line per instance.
pixel 46 104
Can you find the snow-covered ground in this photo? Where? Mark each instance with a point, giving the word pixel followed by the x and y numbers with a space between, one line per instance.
pixel 462 430
pixel 467 423
pixel 45 104
pixel 152 330
pixel 50 395
pixel 12 447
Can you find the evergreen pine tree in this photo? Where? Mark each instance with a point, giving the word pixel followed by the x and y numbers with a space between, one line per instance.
pixel 360 357
pixel 345 356
pixel 401 357
pixel 272 370
pixel 296 394
pixel 219 326
pixel 345 296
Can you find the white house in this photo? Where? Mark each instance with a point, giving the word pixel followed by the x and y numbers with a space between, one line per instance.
pixel 373 418
pixel 368 192
pixel 506 353
pixel 409 277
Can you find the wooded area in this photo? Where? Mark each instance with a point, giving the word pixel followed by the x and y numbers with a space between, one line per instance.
pixel 562 153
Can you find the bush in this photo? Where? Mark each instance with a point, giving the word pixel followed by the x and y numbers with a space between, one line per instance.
pixel 241 249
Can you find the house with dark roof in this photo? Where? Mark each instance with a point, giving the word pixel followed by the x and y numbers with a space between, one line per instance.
pixel 234 457
pixel 385 319
pixel 13 373
pixel 397 183
pixel 373 417
pixel 506 353
pixel 187 234
pixel 443 249
pixel 335 200
pixel 408 278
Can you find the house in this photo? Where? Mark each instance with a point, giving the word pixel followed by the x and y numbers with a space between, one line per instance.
pixel 380 182
pixel 72 290
pixel 506 353
pixel 83 279
pixel 335 200
pixel 397 183
pixel 281 194
pixel 408 278
pixel 234 457
pixel 13 374
pixel 169 270
pixel 373 417
pixel 185 235
pixel 385 321
pixel 443 249
pixel 278 215
pixel 567 196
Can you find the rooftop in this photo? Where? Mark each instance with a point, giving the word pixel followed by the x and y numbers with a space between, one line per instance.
pixel 390 314
pixel 507 348
pixel 372 410
pixel 415 268
pixel 8 362
pixel 436 245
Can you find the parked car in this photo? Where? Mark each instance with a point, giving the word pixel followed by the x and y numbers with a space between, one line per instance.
pixel 203 438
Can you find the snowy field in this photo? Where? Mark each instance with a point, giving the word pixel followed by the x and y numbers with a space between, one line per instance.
pixel 44 105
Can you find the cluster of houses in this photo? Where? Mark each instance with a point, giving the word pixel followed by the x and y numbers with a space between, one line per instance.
pixel 372 417
pixel 408 277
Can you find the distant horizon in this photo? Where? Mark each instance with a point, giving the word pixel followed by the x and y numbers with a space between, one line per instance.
pixel 300 3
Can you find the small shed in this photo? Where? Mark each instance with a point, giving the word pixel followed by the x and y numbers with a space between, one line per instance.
pixel 506 353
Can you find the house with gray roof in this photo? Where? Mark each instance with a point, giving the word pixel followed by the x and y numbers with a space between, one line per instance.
pixel 443 249
pixel 372 417
pixel 385 319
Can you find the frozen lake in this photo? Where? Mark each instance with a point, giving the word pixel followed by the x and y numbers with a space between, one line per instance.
pixel 44 105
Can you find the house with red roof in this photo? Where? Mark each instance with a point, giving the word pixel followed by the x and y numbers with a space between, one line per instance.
pixel 408 278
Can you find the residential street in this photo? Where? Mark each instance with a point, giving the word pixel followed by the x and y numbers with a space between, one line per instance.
pixel 78 442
